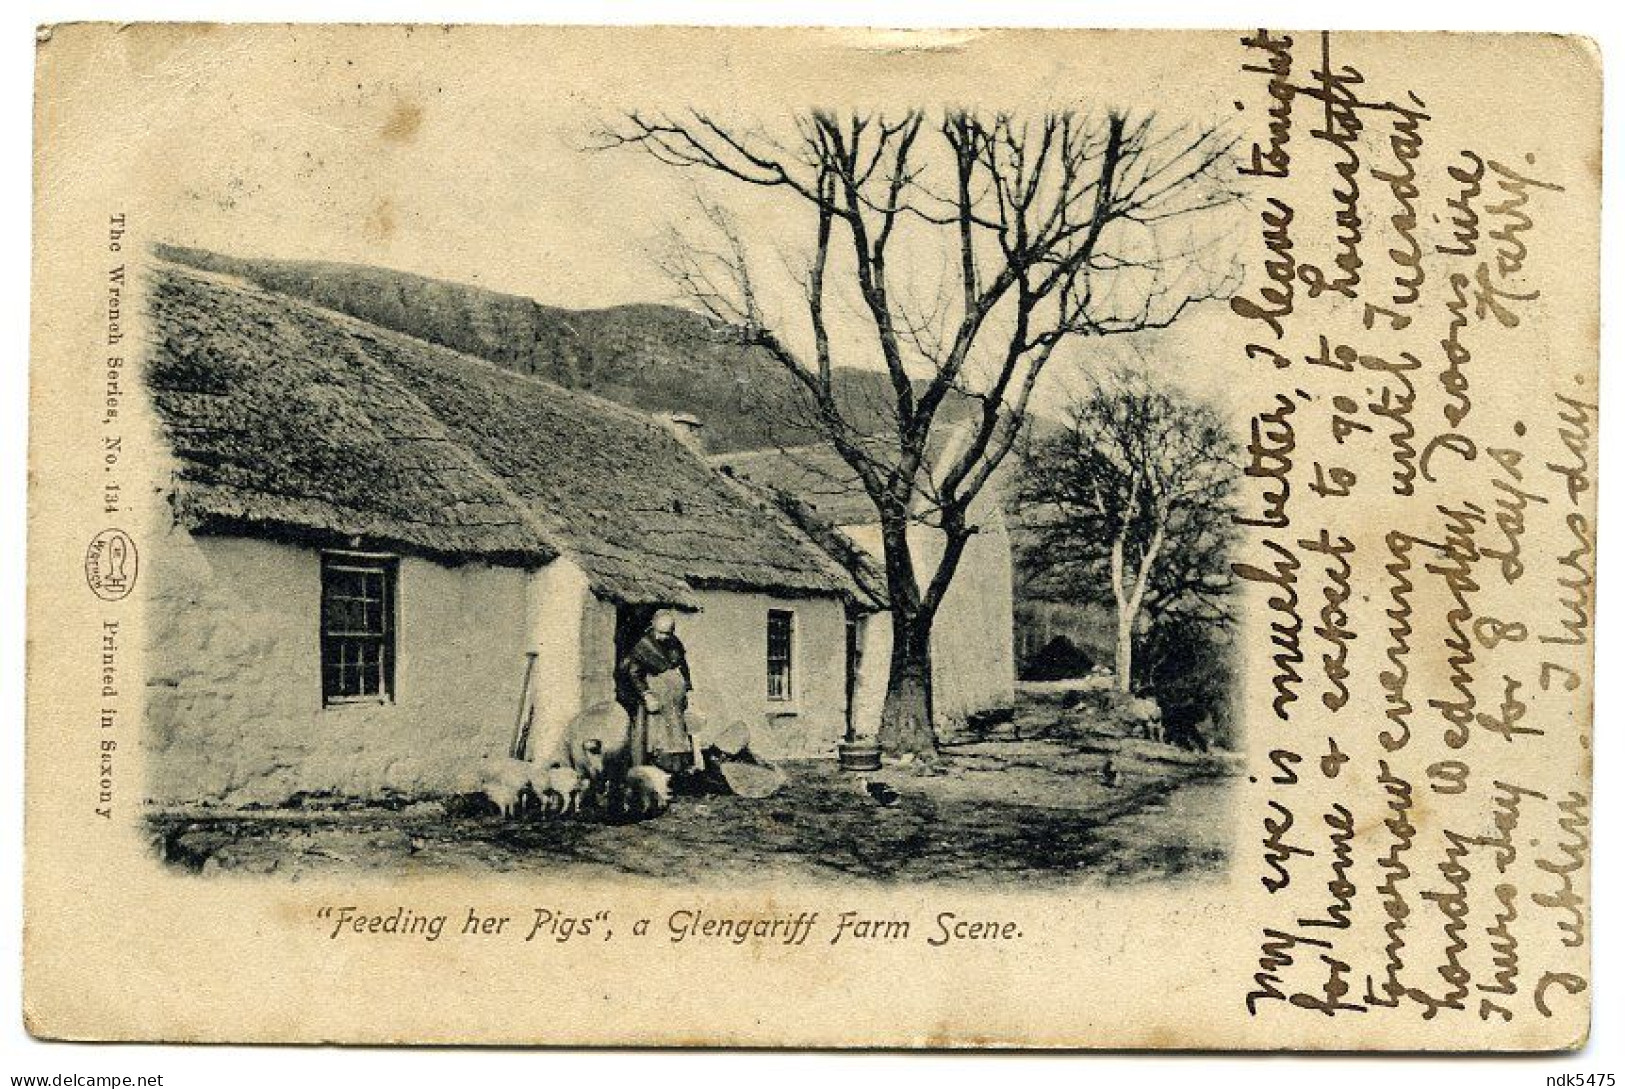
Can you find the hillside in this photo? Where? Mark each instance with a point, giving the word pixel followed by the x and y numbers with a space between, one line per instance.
pixel 654 358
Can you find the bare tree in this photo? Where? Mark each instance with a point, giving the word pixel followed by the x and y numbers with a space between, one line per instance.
pixel 1134 494
pixel 1038 232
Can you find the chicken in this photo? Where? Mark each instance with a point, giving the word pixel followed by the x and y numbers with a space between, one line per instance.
pixel 880 793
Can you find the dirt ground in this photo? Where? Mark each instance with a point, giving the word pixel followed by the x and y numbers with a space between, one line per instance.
pixel 1016 806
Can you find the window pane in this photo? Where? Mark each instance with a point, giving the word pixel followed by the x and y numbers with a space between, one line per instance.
pixel 352 670
pixel 354 602
pixel 369 679
pixel 344 582
pixel 345 615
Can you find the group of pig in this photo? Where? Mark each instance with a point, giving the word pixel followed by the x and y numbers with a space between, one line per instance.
pixel 595 773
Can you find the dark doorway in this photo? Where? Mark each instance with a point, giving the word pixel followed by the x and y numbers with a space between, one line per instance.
pixel 631 621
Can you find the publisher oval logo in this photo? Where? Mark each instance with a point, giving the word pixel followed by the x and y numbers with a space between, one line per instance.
pixel 111 564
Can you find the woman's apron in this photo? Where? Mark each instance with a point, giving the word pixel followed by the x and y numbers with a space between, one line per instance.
pixel 665 732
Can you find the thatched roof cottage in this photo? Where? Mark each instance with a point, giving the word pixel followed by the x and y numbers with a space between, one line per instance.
pixel 367 535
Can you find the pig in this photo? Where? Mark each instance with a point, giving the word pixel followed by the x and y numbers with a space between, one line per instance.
pixel 507 782
pixel 1144 716
pixel 560 788
pixel 599 745
pixel 645 792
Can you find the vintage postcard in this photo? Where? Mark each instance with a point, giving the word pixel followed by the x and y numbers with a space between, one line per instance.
pixel 812 538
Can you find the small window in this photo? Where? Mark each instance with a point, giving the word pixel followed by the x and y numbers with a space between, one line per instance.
pixel 781 631
pixel 358 629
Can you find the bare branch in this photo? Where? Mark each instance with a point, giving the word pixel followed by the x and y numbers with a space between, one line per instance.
pixel 1048 229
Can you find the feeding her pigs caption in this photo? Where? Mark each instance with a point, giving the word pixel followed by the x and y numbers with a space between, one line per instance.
pixel 684 925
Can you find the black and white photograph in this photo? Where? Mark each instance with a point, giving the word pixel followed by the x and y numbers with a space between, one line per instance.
pixel 887 544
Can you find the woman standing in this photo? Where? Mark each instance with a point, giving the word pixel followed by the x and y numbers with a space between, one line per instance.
pixel 654 675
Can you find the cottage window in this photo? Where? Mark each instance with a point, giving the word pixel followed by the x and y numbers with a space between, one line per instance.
pixel 781 630
pixel 358 628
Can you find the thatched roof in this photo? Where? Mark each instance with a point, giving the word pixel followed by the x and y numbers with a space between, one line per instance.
pixel 815 474
pixel 864 569
pixel 816 489
pixel 294 421
pixel 818 475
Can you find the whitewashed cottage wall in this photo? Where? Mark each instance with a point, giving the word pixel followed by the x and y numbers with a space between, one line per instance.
pixel 972 648
pixel 973 666
pixel 727 651
pixel 559 603
pixel 234 694
pixel 235 710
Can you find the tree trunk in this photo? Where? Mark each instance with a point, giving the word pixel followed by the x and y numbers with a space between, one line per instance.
pixel 1130 595
pixel 905 720
pixel 1125 647
pixel 1125 618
